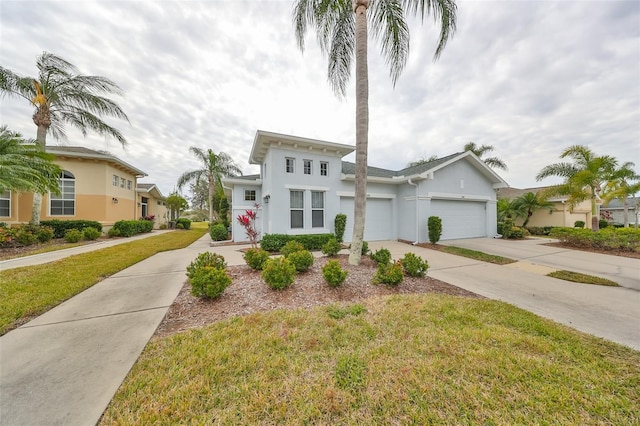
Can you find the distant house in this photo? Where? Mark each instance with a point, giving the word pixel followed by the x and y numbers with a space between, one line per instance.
pixel 94 186
pixel 303 184
pixel 151 202
pixel 614 211
pixel 560 215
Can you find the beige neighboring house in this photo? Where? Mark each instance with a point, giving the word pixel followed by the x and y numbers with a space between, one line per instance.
pixel 151 202
pixel 94 185
pixel 561 215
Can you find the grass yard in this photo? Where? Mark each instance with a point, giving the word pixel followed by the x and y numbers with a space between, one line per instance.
pixel 578 277
pixel 30 291
pixel 477 255
pixel 411 359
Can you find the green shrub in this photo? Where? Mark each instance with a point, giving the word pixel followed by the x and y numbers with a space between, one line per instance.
pixel 278 273
pixel 340 224
pixel 390 274
pixel 218 232
pixel 186 223
pixel 255 258
pixel 603 223
pixel 91 233
pixel 517 233
pixel 291 247
pixel 311 242
pixel 627 239
pixel 162 226
pixel 579 224
pixel 44 234
pixel 333 274
pixel 73 235
pixel 179 226
pixel 274 242
pixel 206 259
pixel 128 228
pixel 113 232
pixel 434 225
pixel 365 248
pixel 209 282
pixel 413 265
pixel 60 226
pixel 539 230
pixel 302 260
pixel 507 226
pixel 24 236
pixel 331 248
pixel 382 256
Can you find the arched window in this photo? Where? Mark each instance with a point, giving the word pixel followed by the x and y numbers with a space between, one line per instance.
pixel 64 204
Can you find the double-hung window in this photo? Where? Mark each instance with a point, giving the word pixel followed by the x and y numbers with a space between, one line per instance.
pixel 324 168
pixel 307 167
pixel 123 182
pixel 116 179
pixel 128 184
pixel 5 204
pixel 289 164
pixel 65 203
pixel 249 194
pixel 296 206
pixel 317 209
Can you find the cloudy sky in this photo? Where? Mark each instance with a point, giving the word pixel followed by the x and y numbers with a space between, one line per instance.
pixel 528 77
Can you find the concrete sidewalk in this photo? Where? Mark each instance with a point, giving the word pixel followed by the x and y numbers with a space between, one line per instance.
pixel 64 367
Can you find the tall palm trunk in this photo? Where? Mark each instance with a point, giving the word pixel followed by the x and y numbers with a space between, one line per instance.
pixel 41 139
pixel 362 131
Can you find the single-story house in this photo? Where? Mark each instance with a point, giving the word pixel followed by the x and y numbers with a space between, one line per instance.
pixel 614 211
pixel 151 202
pixel 94 185
pixel 304 183
pixel 560 215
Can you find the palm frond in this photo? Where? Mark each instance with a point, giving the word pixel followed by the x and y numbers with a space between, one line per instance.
pixel 558 169
pixel 341 53
pixel 389 27
pixel 444 12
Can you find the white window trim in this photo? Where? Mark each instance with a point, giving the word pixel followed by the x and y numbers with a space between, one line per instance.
pixel 324 163
pixel 304 167
pixel 255 194
pixel 323 209
pixel 292 209
pixel 115 180
pixel 8 199
pixel 286 165
pixel 62 195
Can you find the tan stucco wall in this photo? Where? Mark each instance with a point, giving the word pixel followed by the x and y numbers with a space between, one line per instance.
pixel 561 216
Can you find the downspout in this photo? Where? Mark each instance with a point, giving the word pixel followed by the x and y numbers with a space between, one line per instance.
pixel 410 182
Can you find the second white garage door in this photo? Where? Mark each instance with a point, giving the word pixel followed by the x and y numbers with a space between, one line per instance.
pixel 378 224
pixel 460 219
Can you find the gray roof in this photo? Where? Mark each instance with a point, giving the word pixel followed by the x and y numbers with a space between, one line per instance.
pixel 349 168
pixel 632 202
pixel 82 152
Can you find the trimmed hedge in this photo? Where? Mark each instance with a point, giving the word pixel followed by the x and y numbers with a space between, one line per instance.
pixel 60 226
pixel 128 228
pixel 311 242
pixel 186 223
pixel 605 239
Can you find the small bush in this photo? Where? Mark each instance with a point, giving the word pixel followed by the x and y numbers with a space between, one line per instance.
pixel 331 248
pixel 73 235
pixel 186 223
pixel 507 226
pixel 413 265
pixel 302 260
pixel 290 248
pixel 60 226
pixel 390 274
pixel 333 274
pixel 517 233
pixel 255 258
pixel 579 224
pixel 434 225
pixel 278 273
pixel 162 226
pixel 113 232
pixel 25 236
pixel 128 228
pixel 44 234
pixel 539 230
pixel 218 232
pixel 179 226
pixel 603 223
pixel 209 282
pixel 275 242
pixel 340 224
pixel 365 248
pixel 606 239
pixel 206 259
pixel 91 234
pixel 382 256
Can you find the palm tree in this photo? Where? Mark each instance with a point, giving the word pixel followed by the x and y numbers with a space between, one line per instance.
pixel 480 151
pixel 528 203
pixel 623 183
pixel 214 168
pixel 62 96
pixel 507 209
pixel 24 166
pixel 341 27
pixel 423 160
pixel 583 178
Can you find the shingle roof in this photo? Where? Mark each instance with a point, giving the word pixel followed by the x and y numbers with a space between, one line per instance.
pixel 349 168
pixel 82 152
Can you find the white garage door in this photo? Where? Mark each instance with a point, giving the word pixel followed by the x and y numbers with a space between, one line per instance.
pixel 378 225
pixel 460 219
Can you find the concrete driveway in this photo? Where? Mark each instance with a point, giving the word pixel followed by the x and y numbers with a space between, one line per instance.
pixel 623 270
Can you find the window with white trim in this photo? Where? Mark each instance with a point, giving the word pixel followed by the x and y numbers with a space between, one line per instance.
pixel 324 168
pixel 307 167
pixel 128 184
pixel 290 164
pixel 5 204
pixel 116 179
pixel 296 206
pixel 249 194
pixel 317 209
pixel 123 182
pixel 65 203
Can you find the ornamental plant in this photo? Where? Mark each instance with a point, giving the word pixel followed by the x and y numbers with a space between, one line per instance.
pixel 333 274
pixel 73 235
pixel 278 273
pixel 340 223
pixel 290 248
pixel 414 265
pixel 209 282
pixel 390 274
pixel 206 259
pixel 331 247
pixel 255 258
pixel 91 233
pixel 382 256
pixel 434 224
pixel 248 222
pixel 302 260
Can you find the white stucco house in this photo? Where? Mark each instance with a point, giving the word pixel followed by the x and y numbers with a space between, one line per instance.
pixel 304 183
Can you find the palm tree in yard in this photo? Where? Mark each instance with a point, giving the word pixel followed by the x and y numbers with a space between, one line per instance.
pixel 342 30
pixel 213 168
pixel 528 203
pixel 623 183
pixel 24 166
pixel 61 96
pixel 481 150
pixel 583 178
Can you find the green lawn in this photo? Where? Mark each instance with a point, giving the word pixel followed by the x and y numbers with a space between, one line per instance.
pixel 412 359
pixel 33 290
pixel 578 277
pixel 477 255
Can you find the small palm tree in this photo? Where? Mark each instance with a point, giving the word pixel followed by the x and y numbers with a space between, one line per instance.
pixel 507 209
pixel 62 96
pixel 214 168
pixel 342 30
pixel 528 203
pixel 423 160
pixel 24 166
pixel 623 183
pixel 583 178
pixel 480 151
